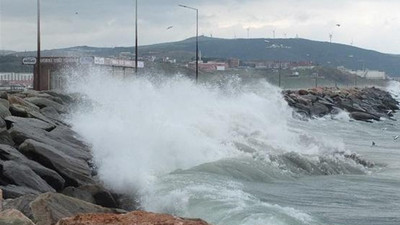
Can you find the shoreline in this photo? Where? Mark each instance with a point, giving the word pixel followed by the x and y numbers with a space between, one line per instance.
pixel 46 173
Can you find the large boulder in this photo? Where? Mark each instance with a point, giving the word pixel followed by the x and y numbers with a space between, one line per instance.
pixel 22 175
pixel 94 194
pixel 51 113
pixel 13 191
pixel 137 217
pixel 4 111
pixel 5 138
pixel 363 116
pixel 31 122
pixel 20 101
pixel 14 217
pixel 20 133
pixel 21 204
pixel 75 171
pixel 50 176
pixel 18 110
pixel 49 208
pixel 45 102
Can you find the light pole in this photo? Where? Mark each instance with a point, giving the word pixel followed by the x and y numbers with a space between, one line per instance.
pixel 136 38
pixel 197 39
pixel 37 80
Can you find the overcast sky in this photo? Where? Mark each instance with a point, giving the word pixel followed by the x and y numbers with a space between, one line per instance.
pixel 371 24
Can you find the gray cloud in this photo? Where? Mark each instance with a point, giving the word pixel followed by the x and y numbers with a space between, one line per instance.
pixel 369 23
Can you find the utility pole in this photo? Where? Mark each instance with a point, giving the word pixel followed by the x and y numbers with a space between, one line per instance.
pixel 37 80
pixel 197 39
pixel 136 38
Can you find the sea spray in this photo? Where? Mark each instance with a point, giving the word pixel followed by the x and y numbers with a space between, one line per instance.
pixel 146 132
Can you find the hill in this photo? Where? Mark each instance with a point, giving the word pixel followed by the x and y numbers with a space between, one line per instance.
pixel 321 53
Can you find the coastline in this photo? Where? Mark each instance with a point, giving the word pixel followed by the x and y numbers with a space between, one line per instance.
pixel 46 170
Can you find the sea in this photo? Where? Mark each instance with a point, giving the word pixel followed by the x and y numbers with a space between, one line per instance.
pixel 232 153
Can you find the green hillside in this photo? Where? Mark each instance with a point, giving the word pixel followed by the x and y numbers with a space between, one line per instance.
pixel 321 53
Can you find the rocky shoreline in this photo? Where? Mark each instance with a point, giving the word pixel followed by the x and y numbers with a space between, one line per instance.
pixel 366 104
pixel 46 174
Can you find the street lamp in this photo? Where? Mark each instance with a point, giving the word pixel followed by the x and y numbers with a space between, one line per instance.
pixel 136 39
pixel 197 38
pixel 37 80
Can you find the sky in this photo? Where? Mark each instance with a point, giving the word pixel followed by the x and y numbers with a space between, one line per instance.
pixel 370 24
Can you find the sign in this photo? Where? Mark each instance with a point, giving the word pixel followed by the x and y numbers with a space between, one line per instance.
pixel 29 61
pixel 86 60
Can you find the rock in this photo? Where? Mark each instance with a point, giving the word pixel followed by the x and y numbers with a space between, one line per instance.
pixel 18 110
pixel 49 208
pixel 363 116
pixel 20 133
pixel 1 200
pixel 22 175
pixel 50 176
pixel 5 103
pixel 22 102
pixel 319 109
pixel 303 92
pixel 14 217
pixel 12 191
pixel 78 193
pixel 21 204
pixel 94 194
pixel 68 135
pixel 44 102
pixel 3 95
pixel 30 122
pixel 75 171
pixel 6 139
pixel 65 98
pixel 51 113
pixel 4 112
pixel 137 217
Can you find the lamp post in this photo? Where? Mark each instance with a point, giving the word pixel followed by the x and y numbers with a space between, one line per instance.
pixel 197 39
pixel 37 80
pixel 136 38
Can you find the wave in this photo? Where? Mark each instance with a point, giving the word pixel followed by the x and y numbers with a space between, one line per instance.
pixel 157 136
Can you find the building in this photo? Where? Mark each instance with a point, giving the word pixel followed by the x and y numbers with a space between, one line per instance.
pixel 233 63
pixel 54 71
pixel 23 80
pixel 209 66
pixel 367 74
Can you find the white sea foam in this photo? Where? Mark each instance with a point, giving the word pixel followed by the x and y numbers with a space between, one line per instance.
pixel 141 129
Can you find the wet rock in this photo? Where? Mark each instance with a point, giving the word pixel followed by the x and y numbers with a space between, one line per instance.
pixel 4 111
pixel 50 176
pixel 75 171
pixel 94 194
pixel 364 104
pixel 363 116
pixel 319 109
pixel 31 122
pixel 14 217
pixel 5 103
pixel 18 110
pixel 22 175
pixel 21 204
pixel 13 191
pixel 20 133
pixel 303 92
pixel 49 208
pixel 137 217
pixel 22 102
pixel 44 102
pixel 51 113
